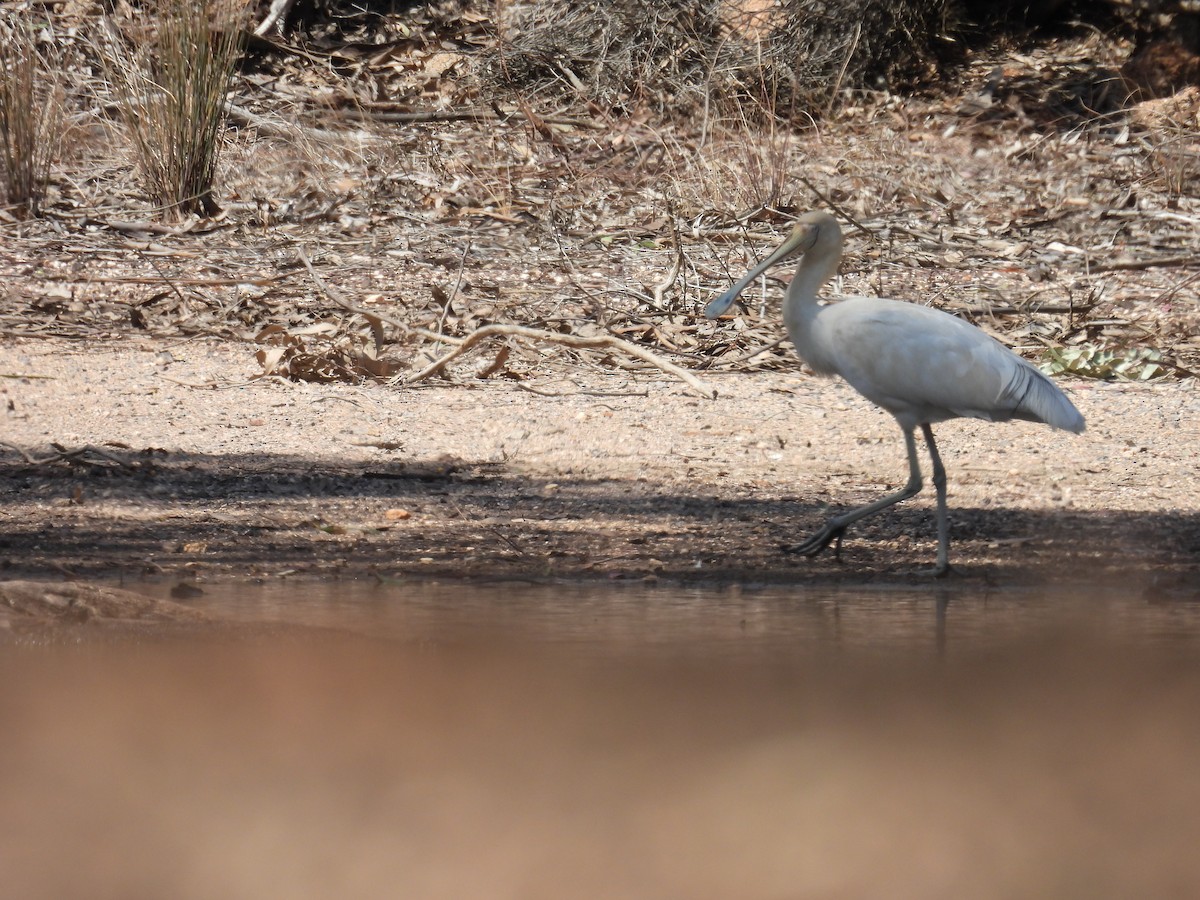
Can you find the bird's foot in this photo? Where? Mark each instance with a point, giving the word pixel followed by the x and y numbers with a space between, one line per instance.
pixel 941 570
pixel 830 534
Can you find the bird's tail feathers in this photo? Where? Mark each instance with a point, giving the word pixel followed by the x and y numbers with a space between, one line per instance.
pixel 1036 398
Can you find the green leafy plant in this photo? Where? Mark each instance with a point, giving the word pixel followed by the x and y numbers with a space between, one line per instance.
pixel 1090 361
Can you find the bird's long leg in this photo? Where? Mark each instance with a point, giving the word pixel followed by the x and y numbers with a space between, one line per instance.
pixel 836 527
pixel 943 519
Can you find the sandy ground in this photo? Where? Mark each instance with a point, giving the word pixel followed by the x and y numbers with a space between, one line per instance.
pixel 207 472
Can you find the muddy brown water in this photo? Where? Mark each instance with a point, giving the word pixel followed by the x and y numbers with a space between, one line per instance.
pixel 531 740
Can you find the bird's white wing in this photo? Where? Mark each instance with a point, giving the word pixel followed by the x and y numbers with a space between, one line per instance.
pixel 924 365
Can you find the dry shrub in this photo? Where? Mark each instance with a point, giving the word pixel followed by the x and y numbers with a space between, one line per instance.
pixel 742 172
pixel 685 55
pixel 620 54
pixel 1168 131
pixel 31 114
pixel 170 81
pixel 834 45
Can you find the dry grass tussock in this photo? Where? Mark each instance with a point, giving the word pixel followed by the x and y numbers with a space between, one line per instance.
pixel 170 72
pixel 31 111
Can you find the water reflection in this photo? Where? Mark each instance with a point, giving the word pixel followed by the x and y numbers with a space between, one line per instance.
pixel 530 741
pixel 730 621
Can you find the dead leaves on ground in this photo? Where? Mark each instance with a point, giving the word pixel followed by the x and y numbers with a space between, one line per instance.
pixel 987 210
pixel 320 353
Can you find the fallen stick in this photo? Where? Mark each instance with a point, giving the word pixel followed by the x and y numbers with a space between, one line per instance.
pixel 578 342
pixel 62 454
pixel 1132 265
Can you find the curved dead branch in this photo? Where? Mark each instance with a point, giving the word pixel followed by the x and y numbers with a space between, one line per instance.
pixel 579 342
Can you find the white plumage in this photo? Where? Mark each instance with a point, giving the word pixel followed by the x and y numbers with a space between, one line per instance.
pixel 920 364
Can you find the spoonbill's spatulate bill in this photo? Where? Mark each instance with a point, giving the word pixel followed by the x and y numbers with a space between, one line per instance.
pixel 920 364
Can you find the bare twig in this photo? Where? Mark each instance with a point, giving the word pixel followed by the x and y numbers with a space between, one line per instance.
pixel 755 351
pixel 206 386
pixel 462 265
pixel 580 392
pixel 253 280
pixel 1138 264
pixel 659 290
pixel 276 17
pixel 1176 288
pixel 841 75
pixel 278 128
pixel 369 114
pixel 140 227
pixel 61 454
pixel 579 342
pixel 25 454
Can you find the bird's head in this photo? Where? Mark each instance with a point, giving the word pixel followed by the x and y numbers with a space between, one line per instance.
pixel 812 230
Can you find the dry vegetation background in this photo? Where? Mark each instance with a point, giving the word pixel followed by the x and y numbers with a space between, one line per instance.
pixel 396 175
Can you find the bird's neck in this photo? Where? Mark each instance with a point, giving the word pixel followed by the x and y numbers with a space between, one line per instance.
pixel 800 301
pixel 800 309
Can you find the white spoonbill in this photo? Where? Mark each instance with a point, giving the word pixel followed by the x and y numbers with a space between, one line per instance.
pixel 920 364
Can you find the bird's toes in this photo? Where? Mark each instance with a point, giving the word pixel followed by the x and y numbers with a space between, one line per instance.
pixel 942 570
pixel 820 541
